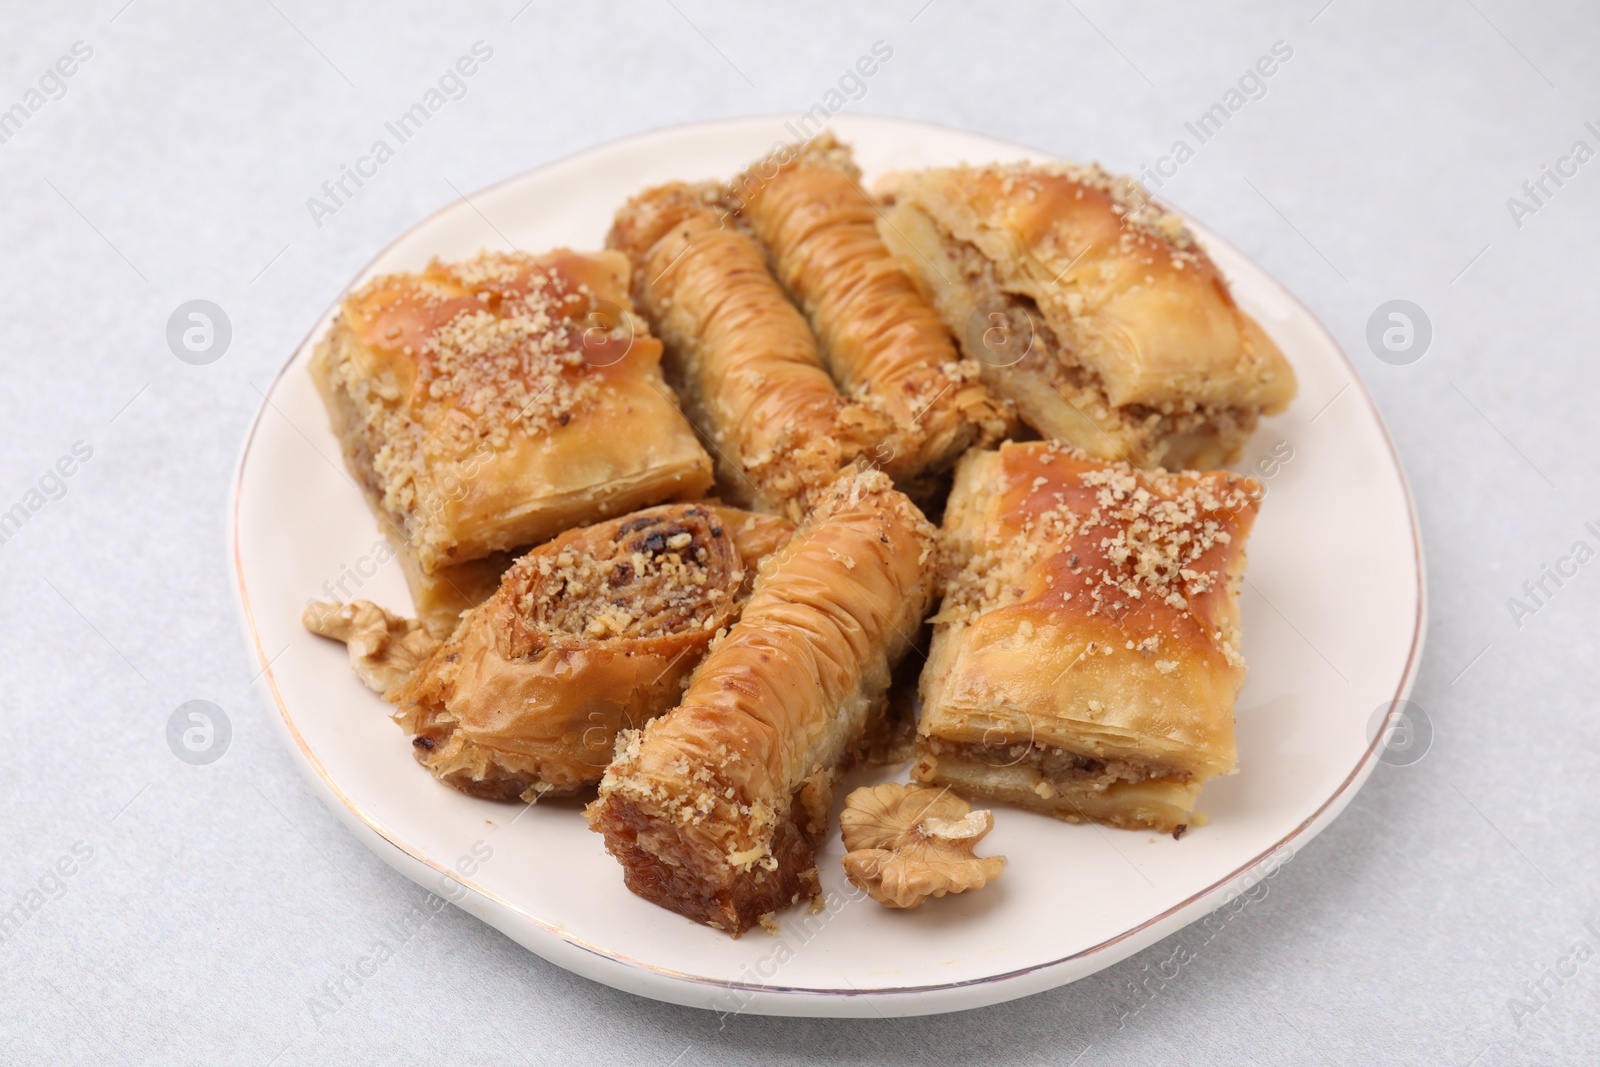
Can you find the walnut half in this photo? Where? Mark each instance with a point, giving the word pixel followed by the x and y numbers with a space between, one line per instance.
pixel 384 648
pixel 906 843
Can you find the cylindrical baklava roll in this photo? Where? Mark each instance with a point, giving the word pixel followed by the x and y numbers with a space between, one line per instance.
pixel 879 335
pixel 716 808
pixel 746 363
pixel 593 632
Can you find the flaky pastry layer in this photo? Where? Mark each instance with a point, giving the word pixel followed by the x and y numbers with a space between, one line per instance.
pixel 1088 632
pixel 880 337
pixel 591 633
pixel 744 360
pixel 1092 309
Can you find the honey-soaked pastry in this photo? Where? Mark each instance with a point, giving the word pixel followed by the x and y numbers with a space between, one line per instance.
pixel 747 365
pixel 1085 659
pixel 715 809
pixel 590 633
pixel 879 335
pixel 490 404
pixel 1091 308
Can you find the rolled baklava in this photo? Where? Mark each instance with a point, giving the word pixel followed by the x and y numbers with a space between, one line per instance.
pixel 715 809
pixel 487 405
pixel 591 633
pixel 1091 308
pixel 743 359
pixel 880 337
pixel 1085 657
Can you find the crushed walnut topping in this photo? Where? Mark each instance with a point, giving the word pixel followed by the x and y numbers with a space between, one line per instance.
pixel 495 347
pixel 1157 528
pixel 516 363
pixel 1132 202
pixel 1141 536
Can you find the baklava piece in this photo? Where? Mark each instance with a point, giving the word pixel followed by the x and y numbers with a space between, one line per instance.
pixel 593 632
pixel 1092 309
pixel 488 405
pixel 880 337
pixel 716 808
pixel 1085 658
pixel 744 360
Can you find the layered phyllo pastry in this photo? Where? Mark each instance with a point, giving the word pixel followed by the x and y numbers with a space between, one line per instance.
pixel 1091 308
pixel 1085 657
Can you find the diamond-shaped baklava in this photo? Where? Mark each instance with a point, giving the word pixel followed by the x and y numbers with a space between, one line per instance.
pixel 1085 659
pixel 490 404
pixel 1091 308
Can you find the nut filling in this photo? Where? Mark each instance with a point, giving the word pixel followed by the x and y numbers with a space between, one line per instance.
pixel 1066 772
pixel 656 576
pixel 1048 355
pixel 592 633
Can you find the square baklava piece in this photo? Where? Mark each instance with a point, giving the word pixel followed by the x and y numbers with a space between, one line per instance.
pixel 1091 308
pixel 1085 658
pixel 490 404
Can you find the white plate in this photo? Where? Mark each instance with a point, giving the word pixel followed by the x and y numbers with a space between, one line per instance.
pixel 1333 625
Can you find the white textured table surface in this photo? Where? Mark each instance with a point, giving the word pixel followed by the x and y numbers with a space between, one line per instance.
pixel 1451 916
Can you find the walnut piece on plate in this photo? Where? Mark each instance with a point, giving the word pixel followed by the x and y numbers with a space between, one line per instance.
pixel 385 649
pixel 905 843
